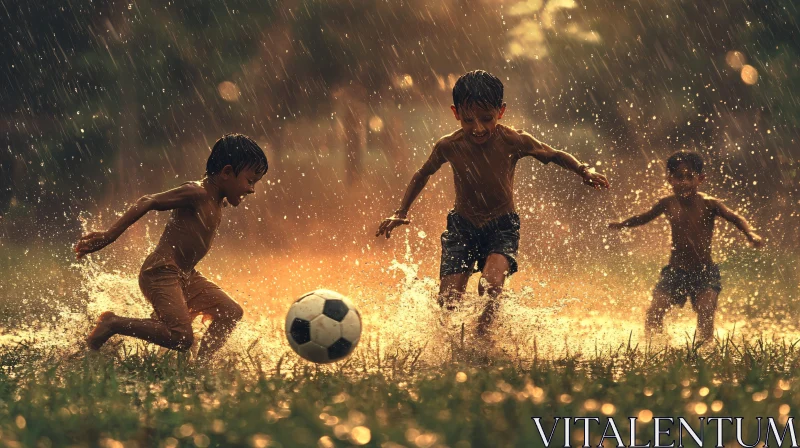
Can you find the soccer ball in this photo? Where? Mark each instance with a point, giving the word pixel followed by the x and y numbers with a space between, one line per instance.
pixel 323 326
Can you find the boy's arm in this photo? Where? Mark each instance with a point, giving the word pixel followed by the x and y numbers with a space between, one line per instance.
pixel 642 219
pixel 415 187
pixel 183 196
pixel 736 219
pixel 546 154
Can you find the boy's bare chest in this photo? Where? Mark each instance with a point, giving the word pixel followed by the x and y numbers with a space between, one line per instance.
pixel 481 163
pixel 692 218
pixel 203 220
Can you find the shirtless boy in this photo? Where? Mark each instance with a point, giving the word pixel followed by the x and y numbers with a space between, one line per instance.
pixel 483 226
pixel 168 279
pixel 691 271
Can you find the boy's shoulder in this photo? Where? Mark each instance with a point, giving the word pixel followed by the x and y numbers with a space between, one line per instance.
pixel 193 186
pixel 193 190
pixel 706 199
pixel 513 137
pixel 510 136
pixel 450 140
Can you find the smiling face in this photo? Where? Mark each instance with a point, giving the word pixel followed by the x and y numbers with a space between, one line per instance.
pixel 236 187
pixel 477 122
pixel 684 180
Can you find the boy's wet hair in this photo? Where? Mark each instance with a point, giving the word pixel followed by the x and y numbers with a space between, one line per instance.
pixel 238 151
pixel 690 158
pixel 478 87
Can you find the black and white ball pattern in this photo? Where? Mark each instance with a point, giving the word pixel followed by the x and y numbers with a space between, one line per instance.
pixel 323 326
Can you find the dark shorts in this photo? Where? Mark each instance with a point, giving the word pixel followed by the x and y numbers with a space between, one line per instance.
pixel 178 297
pixel 463 244
pixel 679 283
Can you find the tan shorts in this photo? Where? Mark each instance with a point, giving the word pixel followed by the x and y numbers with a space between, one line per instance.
pixel 178 297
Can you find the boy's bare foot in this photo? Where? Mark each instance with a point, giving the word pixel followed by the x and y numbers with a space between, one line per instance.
pixel 102 331
pixel 486 321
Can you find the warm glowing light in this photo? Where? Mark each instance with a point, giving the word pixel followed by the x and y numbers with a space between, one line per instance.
pixel 375 124
pixel 735 59
pixel 645 415
pixel 229 91
pixel 717 406
pixel 442 82
pixel 360 435
pixel 700 408
pixel 260 441
pixel 451 80
pixel 749 75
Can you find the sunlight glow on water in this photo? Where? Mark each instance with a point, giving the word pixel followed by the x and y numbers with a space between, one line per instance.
pixel 401 317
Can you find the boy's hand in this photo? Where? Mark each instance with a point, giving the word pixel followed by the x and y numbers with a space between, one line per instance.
pixel 755 239
pixel 615 226
pixel 389 224
pixel 595 180
pixel 92 242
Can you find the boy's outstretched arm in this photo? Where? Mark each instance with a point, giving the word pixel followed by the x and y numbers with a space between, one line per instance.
pixel 546 154
pixel 642 219
pixel 415 187
pixel 183 196
pixel 737 220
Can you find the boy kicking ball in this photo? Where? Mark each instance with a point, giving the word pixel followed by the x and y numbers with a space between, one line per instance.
pixel 168 278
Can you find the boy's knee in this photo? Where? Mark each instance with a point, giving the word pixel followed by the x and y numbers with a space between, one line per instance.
pixel 492 284
pixel 708 308
pixel 235 313
pixel 182 338
pixel 230 311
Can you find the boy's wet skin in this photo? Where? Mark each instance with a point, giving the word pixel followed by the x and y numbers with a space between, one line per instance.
pixel 691 270
pixel 483 227
pixel 167 278
pixel 190 232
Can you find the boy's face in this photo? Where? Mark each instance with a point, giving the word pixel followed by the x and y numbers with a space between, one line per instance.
pixel 478 123
pixel 684 180
pixel 237 187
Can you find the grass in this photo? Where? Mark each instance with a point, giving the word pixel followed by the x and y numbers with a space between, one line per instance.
pixel 146 398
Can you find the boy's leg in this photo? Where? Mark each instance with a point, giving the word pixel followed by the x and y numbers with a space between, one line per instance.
pixel 457 262
pixel 451 289
pixel 654 322
pixel 493 278
pixel 500 241
pixel 210 300
pixel 706 307
pixel 173 330
pixel 149 330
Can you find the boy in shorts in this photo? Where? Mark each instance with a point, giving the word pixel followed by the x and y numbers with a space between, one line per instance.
pixel 483 227
pixel 691 272
pixel 168 278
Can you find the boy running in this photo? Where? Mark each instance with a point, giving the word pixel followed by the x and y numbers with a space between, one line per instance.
pixel 483 226
pixel 691 271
